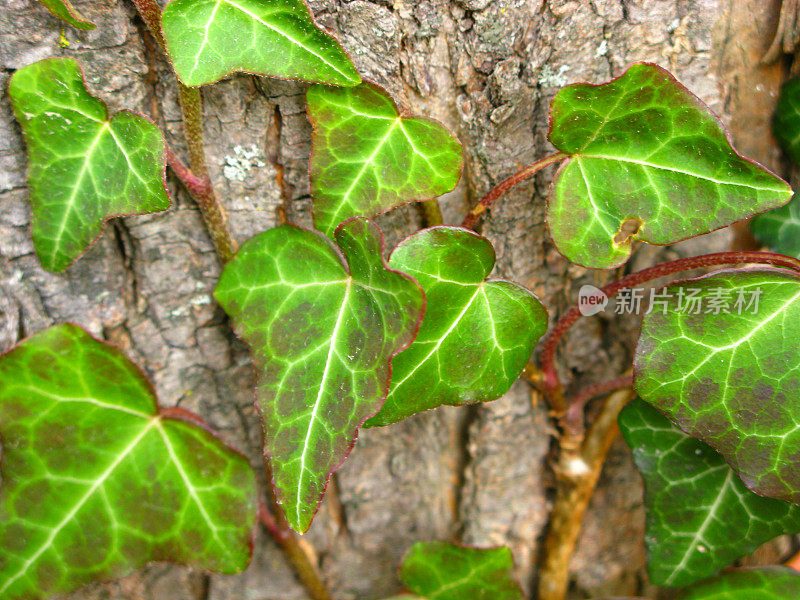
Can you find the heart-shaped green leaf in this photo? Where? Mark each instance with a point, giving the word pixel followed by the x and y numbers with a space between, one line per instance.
pixel 64 10
pixel 786 121
pixel 442 571
pixel 476 336
pixel 765 583
pixel 323 327
pixel 780 228
pixel 210 39
pixel 368 157
pixel 648 161
pixel 97 481
pixel 84 167
pixel 689 541
pixel 720 358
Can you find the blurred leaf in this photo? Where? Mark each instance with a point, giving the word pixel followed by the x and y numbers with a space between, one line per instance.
pixel 780 228
pixel 766 583
pixel 443 571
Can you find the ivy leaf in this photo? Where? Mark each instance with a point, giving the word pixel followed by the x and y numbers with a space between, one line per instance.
pixel 786 120
pixel 477 334
pixel 648 161
pixel 323 324
pixel 84 166
pixel 64 10
pixel 765 583
pixel 731 379
pixel 368 156
pixel 443 571
pixel 98 482
pixel 724 521
pixel 210 39
pixel 780 228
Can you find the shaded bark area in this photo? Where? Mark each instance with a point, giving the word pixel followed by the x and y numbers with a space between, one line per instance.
pixel 487 69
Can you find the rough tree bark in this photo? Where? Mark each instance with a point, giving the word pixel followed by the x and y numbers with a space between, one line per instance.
pixel 488 69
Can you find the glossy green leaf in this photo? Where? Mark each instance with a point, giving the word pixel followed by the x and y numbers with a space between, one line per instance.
pixel 648 161
pixel 210 39
pixel 477 334
pixel 97 481
pixel 64 10
pixel 323 323
pixel 780 228
pixel 766 583
pixel 689 541
pixel 368 157
pixel 731 379
pixel 786 121
pixel 443 571
pixel 84 166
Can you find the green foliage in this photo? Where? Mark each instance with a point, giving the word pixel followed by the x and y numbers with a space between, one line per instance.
pixel 84 167
pixel 646 152
pixel 780 228
pixel 766 583
pixel 97 481
pixel 691 540
pixel 443 571
pixel 786 120
pixel 210 39
pixel 323 323
pixel 368 157
pixel 64 10
pixel 731 379
pixel 477 335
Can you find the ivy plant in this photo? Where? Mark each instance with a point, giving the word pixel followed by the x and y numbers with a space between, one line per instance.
pixel 98 480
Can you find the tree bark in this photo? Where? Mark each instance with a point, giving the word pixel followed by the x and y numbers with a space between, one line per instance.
pixel 486 68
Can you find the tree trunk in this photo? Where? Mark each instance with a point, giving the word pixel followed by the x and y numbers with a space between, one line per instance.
pixel 488 69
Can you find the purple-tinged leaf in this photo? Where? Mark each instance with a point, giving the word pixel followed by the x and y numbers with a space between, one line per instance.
pixel 721 359
pixel 97 481
pixel 323 323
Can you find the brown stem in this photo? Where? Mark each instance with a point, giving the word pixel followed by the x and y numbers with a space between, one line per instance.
pixel 577 473
pixel 298 551
pixel 502 187
pixel 551 382
pixel 432 212
pixel 150 12
pixel 213 214
pixel 192 107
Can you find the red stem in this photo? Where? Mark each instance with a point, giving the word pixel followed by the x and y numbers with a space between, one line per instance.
pixel 550 380
pixel 196 185
pixel 502 187
pixel 573 418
